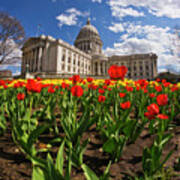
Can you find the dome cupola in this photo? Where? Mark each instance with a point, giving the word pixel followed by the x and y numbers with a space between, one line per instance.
pixel 88 39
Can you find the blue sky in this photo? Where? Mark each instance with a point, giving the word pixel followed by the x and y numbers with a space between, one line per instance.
pixel 125 26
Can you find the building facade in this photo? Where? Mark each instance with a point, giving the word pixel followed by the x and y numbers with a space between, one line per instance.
pixel 46 56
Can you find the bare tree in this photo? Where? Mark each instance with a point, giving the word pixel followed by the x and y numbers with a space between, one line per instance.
pixel 12 37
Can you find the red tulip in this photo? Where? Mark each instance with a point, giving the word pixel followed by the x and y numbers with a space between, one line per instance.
pixel 162 99
pixel 77 91
pixel 153 109
pixel 151 95
pixel 117 72
pixel 51 90
pixel 101 91
pixel 121 95
pixel 90 79
pixel 20 96
pixel 126 105
pixel 162 116
pixel 101 98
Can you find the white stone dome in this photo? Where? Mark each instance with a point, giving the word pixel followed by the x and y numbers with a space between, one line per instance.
pixel 88 35
pixel 87 30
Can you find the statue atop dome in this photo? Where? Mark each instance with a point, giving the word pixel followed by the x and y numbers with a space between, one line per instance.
pixel 88 21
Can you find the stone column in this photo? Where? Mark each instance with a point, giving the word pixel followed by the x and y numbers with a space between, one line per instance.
pixel 84 68
pixel 28 55
pixel 31 61
pixel 72 60
pixel 34 59
pixel 94 68
pixel 104 67
pixel 39 59
pixel 155 68
pixel 66 61
pixel 59 57
pixel 76 64
pixel 28 59
pixel 81 61
pixel 37 55
pixel 90 71
pixel 45 60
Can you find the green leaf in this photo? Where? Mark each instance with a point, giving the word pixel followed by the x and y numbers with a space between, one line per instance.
pixel 53 174
pixel 165 159
pixel 110 145
pixel 129 127
pixel 38 173
pixel 69 166
pixel 106 172
pixel 35 134
pixel 165 139
pixel 90 175
pixel 60 159
pixel 55 140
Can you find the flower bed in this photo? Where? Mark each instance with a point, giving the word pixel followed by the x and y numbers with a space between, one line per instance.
pixel 91 129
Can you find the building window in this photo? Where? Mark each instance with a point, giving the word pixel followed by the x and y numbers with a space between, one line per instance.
pixel 69 60
pixel 147 74
pixel 134 68
pixel 78 63
pixel 140 68
pixel 74 61
pixel 135 74
pixel 74 69
pixel 63 67
pixel 141 74
pixel 69 68
pixel 63 58
pixel 147 67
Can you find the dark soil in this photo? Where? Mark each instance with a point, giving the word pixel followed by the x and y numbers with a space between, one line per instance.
pixel 15 166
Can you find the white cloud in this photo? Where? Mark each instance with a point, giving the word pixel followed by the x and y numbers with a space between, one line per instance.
pixel 116 27
pixel 168 8
pixel 145 39
pixel 120 12
pixel 99 1
pixel 70 17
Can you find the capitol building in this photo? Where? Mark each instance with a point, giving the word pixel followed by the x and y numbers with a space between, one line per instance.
pixel 48 57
